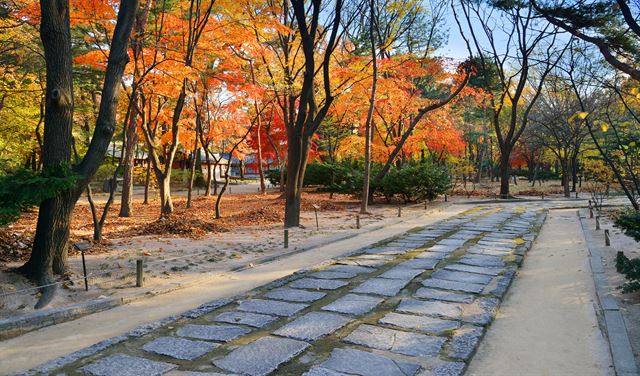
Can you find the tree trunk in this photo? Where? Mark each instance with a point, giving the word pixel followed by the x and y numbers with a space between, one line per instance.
pixel 504 173
pixel 147 181
pixel 131 139
pixel 164 183
pixel 193 172
pixel 263 187
pixel 296 163
pixel 368 129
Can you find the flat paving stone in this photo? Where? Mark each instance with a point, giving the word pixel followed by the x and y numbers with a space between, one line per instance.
pixel 332 275
pixel 355 269
pixel 353 304
pixel 452 285
pixel 420 263
pixel 425 324
pixel 481 311
pixel 256 320
pixel 487 270
pixel 179 348
pixel 314 283
pixel 464 342
pixel 431 255
pixel 399 272
pixel 222 333
pixel 319 371
pixel 462 277
pixel 480 260
pixel 396 341
pixel 434 294
pixel 381 286
pixel 430 308
pixel 442 248
pixel 295 295
pixel 313 326
pixel 363 363
pixel 271 307
pixel 388 251
pixel 126 365
pixel 262 356
pixel 449 369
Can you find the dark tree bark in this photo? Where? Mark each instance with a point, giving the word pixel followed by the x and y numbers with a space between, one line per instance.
pixel 49 251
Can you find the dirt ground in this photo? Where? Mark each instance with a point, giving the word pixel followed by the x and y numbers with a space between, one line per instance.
pixel 629 303
pixel 178 249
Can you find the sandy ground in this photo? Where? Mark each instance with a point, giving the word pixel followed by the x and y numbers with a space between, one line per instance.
pixel 629 303
pixel 172 260
pixel 54 341
pixel 547 324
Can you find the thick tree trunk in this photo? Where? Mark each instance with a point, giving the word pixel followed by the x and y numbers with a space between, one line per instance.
pixel 166 203
pixel 297 152
pixel 505 169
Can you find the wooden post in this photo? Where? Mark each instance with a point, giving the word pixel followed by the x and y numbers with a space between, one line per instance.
pixel 446 198
pixel 358 221
pixel 425 204
pixel 607 240
pixel 597 222
pixel 315 209
pixel 589 204
pixel 576 194
pixel 399 211
pixel 139 271
pixel 590 212
pixel 543 195
pixel 286 238
pixel 84 271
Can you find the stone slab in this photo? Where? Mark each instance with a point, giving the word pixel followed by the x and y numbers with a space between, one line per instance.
pixel 126 365
pixel 322 284
pixel 449 369
pixel 262 356
pixel 452 285
pixel 271 307
pixel 256 320
pixel 482 260
pixel 399 272
pixel 353 304
pixel 381 286
pixel 430 308
pixel 295 295
pixel 425 324
pixel 434 294
pixel 313 326
pixel 358 362
pixel 179 348
pixel 222 333
pixel 462 277
pixel 492 271
pixel 355 269
pixel 396 341
pixel 320 371
pixel 332 275
pixel 420 263
pixel 464 342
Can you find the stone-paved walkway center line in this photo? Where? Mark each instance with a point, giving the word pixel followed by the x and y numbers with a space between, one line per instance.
pixel 417 305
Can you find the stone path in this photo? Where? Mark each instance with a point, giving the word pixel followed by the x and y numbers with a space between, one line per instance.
pixel 416 305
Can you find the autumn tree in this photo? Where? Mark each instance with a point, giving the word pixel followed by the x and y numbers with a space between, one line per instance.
pixel 52 231
pixel 522 50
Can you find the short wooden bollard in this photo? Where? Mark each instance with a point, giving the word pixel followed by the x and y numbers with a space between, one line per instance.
pixel 358 221
pixel 597 222
pixel 286 238
pixel 446 198
pixel 399 211
pixel 139 275
pixel 425 204
pixel 315 209
pixel 543 195
pixel 589 204
pixel 576 194
pixel 590 212
pixel 607 240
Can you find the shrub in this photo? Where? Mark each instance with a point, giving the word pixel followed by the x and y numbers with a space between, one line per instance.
pixel 23 189
pixel 629 222
pixel 416 181
pixel 273 175
pixel 631 270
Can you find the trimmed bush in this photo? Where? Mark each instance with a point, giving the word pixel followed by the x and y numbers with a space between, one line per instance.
pixel 631 270
pixel 416 181
pixel 629 222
